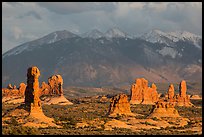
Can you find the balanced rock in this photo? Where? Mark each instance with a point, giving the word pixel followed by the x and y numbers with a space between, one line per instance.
pixel 120 105
pixel 183 99
pixel 142 94
pixel 164 109
pixel 55 82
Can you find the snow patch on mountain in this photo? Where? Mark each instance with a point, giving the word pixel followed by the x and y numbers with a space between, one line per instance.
pixel 184 35
pixel 54 39
pixel 116 33
pixel 95 34
pixel 168 51
pixel 169 38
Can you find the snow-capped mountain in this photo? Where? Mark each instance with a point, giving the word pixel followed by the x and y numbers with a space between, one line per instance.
pixel 95 34
pixel 184 35
pixel 116 33
pixel 106 61
pixel 169 38
pixel 48 39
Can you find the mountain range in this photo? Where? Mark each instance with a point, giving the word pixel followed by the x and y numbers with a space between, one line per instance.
pixel 112 58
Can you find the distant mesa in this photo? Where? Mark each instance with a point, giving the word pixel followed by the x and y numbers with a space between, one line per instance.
pixel 119 105
pixel 142 94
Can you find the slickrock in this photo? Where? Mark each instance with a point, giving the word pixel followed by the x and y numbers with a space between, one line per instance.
pixel 183 99
pixel 164 109
pixel 120 105
pixel 195 97
pixel 142 94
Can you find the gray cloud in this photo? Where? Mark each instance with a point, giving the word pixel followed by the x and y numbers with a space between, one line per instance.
pixel 26 21
pixel 76 7
pixel 31 13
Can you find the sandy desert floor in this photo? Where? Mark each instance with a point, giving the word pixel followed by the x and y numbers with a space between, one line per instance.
pixel 87 116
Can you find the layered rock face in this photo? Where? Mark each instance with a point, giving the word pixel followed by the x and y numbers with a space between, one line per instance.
pixel 119 105
pixel 183 99
pixel 55 82
pixel 164 109
pixel 141 93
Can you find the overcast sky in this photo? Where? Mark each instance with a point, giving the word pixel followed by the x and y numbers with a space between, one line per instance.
pixel 26 21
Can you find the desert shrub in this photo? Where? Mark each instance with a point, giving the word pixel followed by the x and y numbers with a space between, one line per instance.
pixel 20 130
pixel 155 118
pixel 13 121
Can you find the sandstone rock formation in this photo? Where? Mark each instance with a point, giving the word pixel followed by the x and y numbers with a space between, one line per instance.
pixel 170 97
pixel 141 93
pixel 120 105
pixel 195 97
pixel 11 91
pixel 45 89
pixel 164 109
pixel 32 93
pixel 9 86
pixel 183 99
pixel 32 100
pixel 55 82
pixel 22 88
pixel 54 90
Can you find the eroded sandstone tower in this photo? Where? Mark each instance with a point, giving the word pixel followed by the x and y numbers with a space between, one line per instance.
pixel 183 99
pixel 32 93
